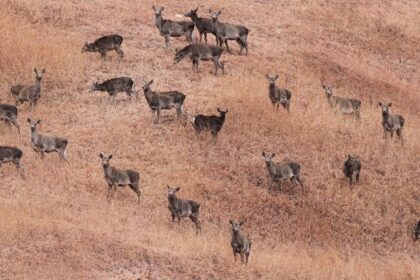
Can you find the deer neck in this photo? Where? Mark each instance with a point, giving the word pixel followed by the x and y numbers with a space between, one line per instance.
pixel 107 169
pixel 34 134
pixel 195 18
pixel 148 93
pixel 385 116
pixel 236 237
pixel 158 21
pixel 38 84
pixel 173 200
pixel 271 168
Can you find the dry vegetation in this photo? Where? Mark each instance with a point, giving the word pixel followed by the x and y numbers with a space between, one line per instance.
pixel 55 223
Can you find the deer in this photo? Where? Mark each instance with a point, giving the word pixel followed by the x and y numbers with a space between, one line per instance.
pixel 204 25
pixel 105 44
pixel 169 28
pixel 181 208
pixel 197 52
pixel 352 167
pixel 22 93
pixel 281 172
pixel 8 114
pixel 240 243
pixel 417 231
pixel 390 122
pixel 159 101
pixel 344 105
pixel 210 123
pixel 42 144
pixel 115 85
pixel 278 95
pixel 226 31
pixel 119 178
pixel 11 155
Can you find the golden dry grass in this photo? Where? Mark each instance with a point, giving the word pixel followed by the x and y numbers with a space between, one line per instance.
pixel 56 224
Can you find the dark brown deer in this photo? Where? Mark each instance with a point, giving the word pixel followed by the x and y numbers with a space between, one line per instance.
pixel 115 85
pixel 391 123
pixel 181 208
pixel 210 123
pixel 278 95
pixel 197 52
pixel 169 28
pixel 42 144
pixel 225 32
pixel 204 25
pixel 351 168
pixel 282 172
pixel 105 44
pixel 159 101
pixel 417 232
pixel 119 178
pixel 8 114
pixel 22 93
pixel 240 243
pixel 13 155
pixel 342 104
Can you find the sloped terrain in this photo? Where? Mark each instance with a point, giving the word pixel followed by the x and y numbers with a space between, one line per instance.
pixel 56 222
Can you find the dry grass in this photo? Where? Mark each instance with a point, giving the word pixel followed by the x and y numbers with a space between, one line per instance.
pixel 56 224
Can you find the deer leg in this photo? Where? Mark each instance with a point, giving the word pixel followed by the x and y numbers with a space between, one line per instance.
pixel 234 254
pixel 15 123
pixel 108 195
pixel 357 176
pixel 242 257
pixel 167 41
pixel 205 38
pixel 119 52
pixel 227 45
pixel 158 115
pixel 103 55
pixel 136 189
pixel 246 258
pixel 240 44
pixel 195 220
pixel 392 134
pixel 245 44
pixel 214 136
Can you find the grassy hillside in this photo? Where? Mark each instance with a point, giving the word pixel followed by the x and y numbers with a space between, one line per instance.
pixel 56 222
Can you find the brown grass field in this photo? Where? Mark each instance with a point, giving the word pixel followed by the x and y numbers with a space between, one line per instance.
pixel 55 222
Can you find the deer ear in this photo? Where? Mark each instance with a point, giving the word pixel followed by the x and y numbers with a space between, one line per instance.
pixel 226 111
pixel 177 189
pixel 241 223
pixel 230 222
pixel 389 104
pixel 34 69
pixel 276 77
pixel 161 9
pixel 210 11
pixel 268 77
pixel 218 110
pixel 263 154
pixel 380 103
pixel 273 155
pixel 38 122
pixel 176 50
pixel 154 8
pixel 101 155
pixel 110 156
pixel 29 120
pixel 168 187
pixel 151 82
pixel 43 70
pixel 196 9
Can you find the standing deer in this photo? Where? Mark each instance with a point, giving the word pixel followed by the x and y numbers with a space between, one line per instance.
pixel 282 172
pixel 225 32
pixel 169 28
pixel 163 100
pixel 8 114
pixel 240 243
pixel 391 123
pixel 210 123
pixel 42 144
pixel 344 105
pixel 197 52
pixel 105 44
pixel 351 167
pixel 119 178
pixel 22 93
pixel 13 155
pixel 115 85
pixel 278 95
pixel 204 25
pixel 181 208
pixel 417 232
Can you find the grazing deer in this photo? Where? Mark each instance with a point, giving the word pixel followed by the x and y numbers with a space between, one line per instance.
pixel 163 100
pixel 278 95
pixel 344 105
pixel 115 85
pixel 22 93
pixel 42 144
pixel 211 123
pixel 181 208
pixel 351 167
pixel 105 44
pixel 13 155
pixel 417 232
pixel 169 28
pixel 281 172
pixel 197 52
pixel 241 244
pixel 225 32
pixel 119 178
pixel 204 25
pixel 391 123
pixel 8 114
